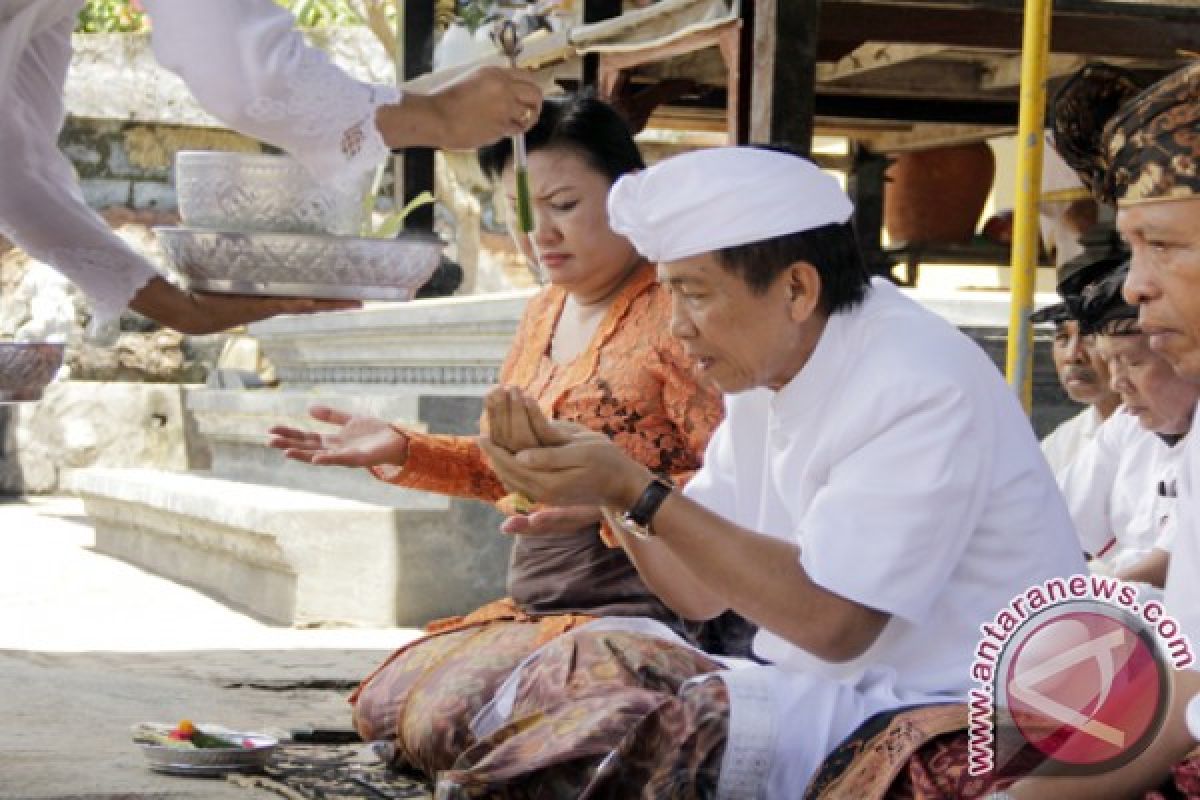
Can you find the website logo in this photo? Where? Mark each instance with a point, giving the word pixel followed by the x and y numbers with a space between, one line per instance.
pixel 1076 670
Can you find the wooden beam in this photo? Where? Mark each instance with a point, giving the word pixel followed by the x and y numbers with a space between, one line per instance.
pixel 940 79
pixel 923 137
pixel 785 72
pixel 924 109
pixel 874 56
pixel 1005 72
pixel 1091 29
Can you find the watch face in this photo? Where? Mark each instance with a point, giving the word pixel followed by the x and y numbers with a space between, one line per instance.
pixel 640 531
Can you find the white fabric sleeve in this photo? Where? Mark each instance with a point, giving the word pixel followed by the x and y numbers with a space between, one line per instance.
pixel 712 486
pixel 894 517
pixel 248 66
pixel 42 210
pixel 1087 485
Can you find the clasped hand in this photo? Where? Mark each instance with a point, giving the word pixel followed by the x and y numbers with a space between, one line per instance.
pixel 558 463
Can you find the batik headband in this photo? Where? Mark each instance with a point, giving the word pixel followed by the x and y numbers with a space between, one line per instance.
pixel 1152 145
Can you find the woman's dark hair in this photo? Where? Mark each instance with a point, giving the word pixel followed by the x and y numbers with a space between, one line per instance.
pixel 832 249
pixel 580 122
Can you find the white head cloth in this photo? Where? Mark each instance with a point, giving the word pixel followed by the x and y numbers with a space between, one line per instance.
pixel 708 200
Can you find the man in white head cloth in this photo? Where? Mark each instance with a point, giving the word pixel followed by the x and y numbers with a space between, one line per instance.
pixel 874 495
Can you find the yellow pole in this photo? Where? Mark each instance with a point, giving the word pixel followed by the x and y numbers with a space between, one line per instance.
pixel 1035 47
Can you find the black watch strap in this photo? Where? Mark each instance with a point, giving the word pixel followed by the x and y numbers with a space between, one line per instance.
pixel 646 506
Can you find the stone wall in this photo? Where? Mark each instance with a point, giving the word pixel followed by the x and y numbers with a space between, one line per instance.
pixel 131 164
pixel 85 424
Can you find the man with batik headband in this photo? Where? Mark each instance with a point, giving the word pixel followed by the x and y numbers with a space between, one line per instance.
pixel 874 493
pixel 1121 488
pixel 1140 150
pixel 1148 164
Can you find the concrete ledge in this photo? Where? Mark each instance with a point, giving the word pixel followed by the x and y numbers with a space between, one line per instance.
pixel 292 557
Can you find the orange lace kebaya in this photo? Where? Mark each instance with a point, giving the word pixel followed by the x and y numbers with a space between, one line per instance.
pixel 633 383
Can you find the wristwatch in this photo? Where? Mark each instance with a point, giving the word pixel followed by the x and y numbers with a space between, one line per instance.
pixel 637 518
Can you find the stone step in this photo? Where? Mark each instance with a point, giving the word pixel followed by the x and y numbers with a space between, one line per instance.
pixel 234 425
pixel 294 557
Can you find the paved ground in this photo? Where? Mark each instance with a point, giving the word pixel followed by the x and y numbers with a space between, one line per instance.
pixel 90 645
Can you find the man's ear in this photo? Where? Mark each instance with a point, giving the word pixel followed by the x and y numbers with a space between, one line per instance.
pixel 804 290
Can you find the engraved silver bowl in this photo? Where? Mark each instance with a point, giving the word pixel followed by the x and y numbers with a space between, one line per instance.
pixel 212 761
pixel 26 368
pixel 301 265
pixel 257 192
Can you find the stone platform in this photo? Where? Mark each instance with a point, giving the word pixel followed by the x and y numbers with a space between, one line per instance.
pixel 304 545
pixel 290 557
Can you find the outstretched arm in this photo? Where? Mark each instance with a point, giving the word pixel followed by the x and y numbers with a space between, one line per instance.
pixel 271 84
pixel 43 212
pixel 41 208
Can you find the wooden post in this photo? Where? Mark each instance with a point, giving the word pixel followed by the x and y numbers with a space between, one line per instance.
pixel 865 185
pixel 596 11
pixel 783 86
pixel 416 174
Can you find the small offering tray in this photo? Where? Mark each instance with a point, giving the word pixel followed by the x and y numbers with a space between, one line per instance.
pixel 165 754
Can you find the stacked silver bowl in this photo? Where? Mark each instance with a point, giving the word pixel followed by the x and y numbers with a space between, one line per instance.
pixel 259 224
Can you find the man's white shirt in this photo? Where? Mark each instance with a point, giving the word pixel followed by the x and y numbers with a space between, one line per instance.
pixel 1182 591
pixel 1062 444
pixel 1120 490
pixel 905 470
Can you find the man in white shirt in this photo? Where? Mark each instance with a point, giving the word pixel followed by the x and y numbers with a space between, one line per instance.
pixel 1081 371
pixel 1157 189
pixel 246 63
pixel 1145 157
pixel 1121 488
pixel 874 494
pixel 1084 377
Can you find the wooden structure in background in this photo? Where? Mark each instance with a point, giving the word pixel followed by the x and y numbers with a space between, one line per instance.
pixel 892 75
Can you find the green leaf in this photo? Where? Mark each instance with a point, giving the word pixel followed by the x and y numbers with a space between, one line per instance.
pixel 394 222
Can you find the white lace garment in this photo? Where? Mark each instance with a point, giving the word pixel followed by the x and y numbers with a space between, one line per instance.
pixel 245 63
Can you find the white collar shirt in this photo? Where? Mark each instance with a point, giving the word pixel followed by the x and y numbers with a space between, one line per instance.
pixel 907 473
pixel 1063 444
pixel 1181 594
pixel 1120 491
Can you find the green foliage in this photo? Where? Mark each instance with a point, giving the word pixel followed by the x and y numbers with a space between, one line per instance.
pixel 320 13
pixel 119 16
pixel 473 13
pixel 110 16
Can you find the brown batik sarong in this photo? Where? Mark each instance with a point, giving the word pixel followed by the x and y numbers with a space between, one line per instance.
pixel 608 715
